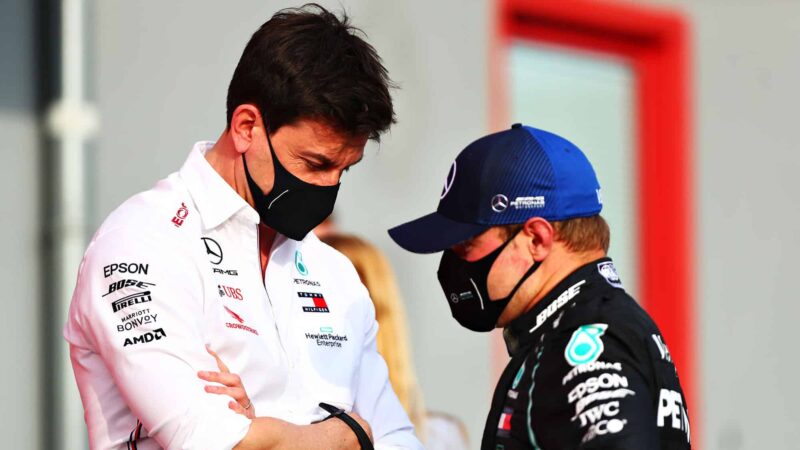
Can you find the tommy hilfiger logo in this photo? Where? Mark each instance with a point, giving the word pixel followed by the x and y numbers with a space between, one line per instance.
pixel 504 425
pixel 320 306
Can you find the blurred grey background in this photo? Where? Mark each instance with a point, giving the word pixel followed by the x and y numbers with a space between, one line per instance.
pixel 157 73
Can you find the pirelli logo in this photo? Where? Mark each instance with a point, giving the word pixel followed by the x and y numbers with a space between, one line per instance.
pixel 133 299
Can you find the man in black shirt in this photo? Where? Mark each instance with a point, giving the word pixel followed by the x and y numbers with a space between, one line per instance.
pixel 525 249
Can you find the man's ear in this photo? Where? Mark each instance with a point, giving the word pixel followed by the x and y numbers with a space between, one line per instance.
pixel 244 121
pixel 540 236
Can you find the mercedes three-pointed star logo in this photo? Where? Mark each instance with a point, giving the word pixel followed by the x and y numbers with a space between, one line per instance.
pixel 499 203
pixel 213 250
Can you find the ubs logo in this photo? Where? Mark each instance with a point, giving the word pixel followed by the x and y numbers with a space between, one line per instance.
pixel 213 250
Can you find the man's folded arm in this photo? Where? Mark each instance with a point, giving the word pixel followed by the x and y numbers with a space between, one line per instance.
pixel 141 305
pixel 154 364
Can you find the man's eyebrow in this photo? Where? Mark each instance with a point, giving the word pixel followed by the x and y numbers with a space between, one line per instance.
pixel 324 161
pixel 321 160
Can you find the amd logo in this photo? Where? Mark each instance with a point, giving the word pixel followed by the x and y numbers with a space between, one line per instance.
pixel 150 336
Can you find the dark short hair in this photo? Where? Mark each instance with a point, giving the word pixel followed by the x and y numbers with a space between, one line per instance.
pixel 307 63
pixel 581 234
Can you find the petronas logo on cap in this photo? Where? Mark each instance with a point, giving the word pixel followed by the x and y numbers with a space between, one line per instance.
pixel 585 346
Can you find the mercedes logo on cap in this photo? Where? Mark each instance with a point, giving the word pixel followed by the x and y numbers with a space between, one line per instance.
pixel 213 250
pixel 451 177
pixel 499 203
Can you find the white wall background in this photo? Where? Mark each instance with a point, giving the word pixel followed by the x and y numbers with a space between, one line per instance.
pixel 20 332
pixel 161 70
pixel 747 166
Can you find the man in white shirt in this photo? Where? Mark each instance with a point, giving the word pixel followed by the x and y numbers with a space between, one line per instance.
pixel 219 255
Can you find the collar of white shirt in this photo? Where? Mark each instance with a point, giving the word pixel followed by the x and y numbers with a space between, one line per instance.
pixel 214 198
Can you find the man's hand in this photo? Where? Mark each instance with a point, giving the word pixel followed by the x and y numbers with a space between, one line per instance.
pixel 232 387
pixel 267 432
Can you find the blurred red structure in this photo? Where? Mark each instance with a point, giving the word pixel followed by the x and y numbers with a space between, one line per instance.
pixel 655 43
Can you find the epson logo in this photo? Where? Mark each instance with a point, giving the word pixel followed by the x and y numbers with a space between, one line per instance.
pixel 603 381
pixel 150 336
pixel 131 268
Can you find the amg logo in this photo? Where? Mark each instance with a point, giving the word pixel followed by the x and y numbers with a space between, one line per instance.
pixel 133 299
pixel 150 336
pixel 232 273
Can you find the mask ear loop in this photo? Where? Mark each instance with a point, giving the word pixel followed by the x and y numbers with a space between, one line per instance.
pixel 530 271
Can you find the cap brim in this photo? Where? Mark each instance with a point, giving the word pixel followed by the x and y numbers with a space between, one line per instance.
pixel 434 233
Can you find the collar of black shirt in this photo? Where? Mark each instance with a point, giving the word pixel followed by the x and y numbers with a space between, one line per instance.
pixel 527 329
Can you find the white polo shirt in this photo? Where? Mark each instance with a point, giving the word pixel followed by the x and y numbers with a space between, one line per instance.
pixel 177 268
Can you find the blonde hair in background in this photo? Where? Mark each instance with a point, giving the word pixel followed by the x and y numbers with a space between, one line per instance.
pixel 393 343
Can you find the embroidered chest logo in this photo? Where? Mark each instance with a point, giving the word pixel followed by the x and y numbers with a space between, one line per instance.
pixel 299 264
pixel 504 425
pixel 240 325
pixel 180 215
pixel 585 346
pixel 315 299
pixel 215 257
pixel 327 338
pixel 231 292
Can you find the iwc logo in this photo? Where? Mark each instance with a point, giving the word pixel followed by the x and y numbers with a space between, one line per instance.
pixel 499 203
pixel 585 346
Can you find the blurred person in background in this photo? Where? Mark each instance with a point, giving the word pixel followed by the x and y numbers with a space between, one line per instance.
pixel 437 431
pixel 525 248
pixel 217 261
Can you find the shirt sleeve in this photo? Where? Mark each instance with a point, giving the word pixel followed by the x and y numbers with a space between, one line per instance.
pixel 591 391
pixel 375 399
pixel 139 304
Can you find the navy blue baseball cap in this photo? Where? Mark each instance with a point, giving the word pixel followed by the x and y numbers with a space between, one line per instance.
pixel 506 178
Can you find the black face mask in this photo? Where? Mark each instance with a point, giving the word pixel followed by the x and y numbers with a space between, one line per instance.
pixel 464 285
pixel 293 207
